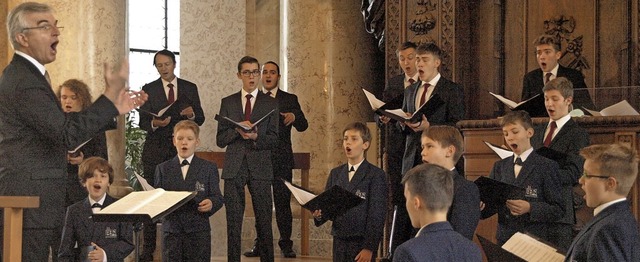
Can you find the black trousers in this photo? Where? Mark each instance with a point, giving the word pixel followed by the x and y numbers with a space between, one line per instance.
pixel 260 191
pixel 346 250
pixel 193 246
pixel 282 202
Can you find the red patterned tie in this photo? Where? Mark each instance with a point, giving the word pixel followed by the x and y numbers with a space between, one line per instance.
pixel 552 128
pixel 411 81
pixel 247 107
pixel 171 98
pixel 423 98
pixel 547 77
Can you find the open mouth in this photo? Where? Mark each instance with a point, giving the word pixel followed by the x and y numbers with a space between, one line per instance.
pixel 544 64
pixel 54 46
pixel 550 111
pixel 268 81
pixel 97 186
pixel 513 146
pixel 420 71
pixel 348 149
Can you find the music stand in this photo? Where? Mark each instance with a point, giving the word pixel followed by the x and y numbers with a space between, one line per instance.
pixel 138 220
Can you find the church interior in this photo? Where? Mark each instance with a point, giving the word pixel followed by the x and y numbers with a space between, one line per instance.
pixel 330 50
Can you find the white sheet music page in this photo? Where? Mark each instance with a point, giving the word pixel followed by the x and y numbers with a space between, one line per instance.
pixel 530 249
pixel 301 196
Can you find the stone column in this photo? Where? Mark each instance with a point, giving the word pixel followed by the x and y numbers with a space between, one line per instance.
pixel 94 33
pixel 328 57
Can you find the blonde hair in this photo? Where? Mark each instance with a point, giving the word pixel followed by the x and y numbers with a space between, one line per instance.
pixel 615 160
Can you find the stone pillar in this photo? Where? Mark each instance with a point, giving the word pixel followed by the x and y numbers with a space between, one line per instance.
pixel 328 57
pixel 94 33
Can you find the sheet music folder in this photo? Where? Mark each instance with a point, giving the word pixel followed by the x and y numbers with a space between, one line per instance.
pixel 495 193
pixel 144 206
pixel 244 127
pixel 333 202
pixel 494 252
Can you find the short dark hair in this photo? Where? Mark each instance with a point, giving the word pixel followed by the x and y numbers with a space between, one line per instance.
pixel 89 165
pixel 247 60
pixel 164 52
pixel 615 160
pixel 517 117
pixel 405 46
pixel 430 48
pixel 446 136
pixel 433 184
pixel 547 40
pixel 273 63
pixel 187 124
pixel 80 89
pixel 360 127
pixel 562 84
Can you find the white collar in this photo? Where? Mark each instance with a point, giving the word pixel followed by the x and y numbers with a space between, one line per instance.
pixel 101 201
pixel 33 61
pixel 560 122
pixel 356 166
pixel 599 209
pixel 524 155
pixel 189 159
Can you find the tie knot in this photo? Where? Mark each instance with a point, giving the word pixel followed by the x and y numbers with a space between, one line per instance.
pixel 411 81
pixel 96 205
pixel 170 85
pixel 547 77
pixel 185 163
pixel 269 93
pixel 352 169
pixel 518 161
pixel 553 125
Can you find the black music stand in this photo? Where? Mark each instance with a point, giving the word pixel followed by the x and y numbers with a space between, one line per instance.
pixel 138 221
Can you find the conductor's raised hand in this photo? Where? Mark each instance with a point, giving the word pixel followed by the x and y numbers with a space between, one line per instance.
pixel 118 92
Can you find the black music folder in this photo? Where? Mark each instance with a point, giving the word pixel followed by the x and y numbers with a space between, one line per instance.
pixel 333 202
pixel 534 106
pixel 172 109
pixel 240 125
pixel 495 193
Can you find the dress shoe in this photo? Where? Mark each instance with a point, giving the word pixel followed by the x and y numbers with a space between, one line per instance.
pixel 253 252
pixel 288 253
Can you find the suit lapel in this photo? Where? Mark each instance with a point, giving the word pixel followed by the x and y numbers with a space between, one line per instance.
pixel 174 167
pixel 527 167
pixel 563 131
pixel 362 171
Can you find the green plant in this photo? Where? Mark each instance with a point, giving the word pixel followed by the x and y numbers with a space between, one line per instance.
pixel 134 140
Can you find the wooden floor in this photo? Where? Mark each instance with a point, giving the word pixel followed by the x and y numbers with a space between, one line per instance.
pixel 278 259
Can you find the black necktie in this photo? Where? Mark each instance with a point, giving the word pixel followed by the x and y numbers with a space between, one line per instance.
pixel 518 161
pixel 185 163
pixel 96 205
pixel 352 172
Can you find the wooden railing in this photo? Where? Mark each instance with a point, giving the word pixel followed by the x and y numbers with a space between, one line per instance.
pixel 13 213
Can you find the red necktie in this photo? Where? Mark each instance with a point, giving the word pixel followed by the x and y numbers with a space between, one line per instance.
pixel 552 128
pixel 269 93
pixel 247 108
pixel 423 98
pixel 171 98
pixel 411 81
pixel 547 77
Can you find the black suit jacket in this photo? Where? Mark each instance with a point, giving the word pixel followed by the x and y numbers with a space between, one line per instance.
pixel 115 238
pixel 464 213
pixel 539 176
pixel 449 113
pixel 158 145
pixel 35 135
pixel 367 219
pixel 287 103
pixel 569 140
pixel 201 178
pixel 396 140
pixel 533 82
pixel 612 235
pixel 438 242
pixel 258 152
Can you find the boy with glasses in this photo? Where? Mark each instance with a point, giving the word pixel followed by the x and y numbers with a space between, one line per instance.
pixel 612 235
